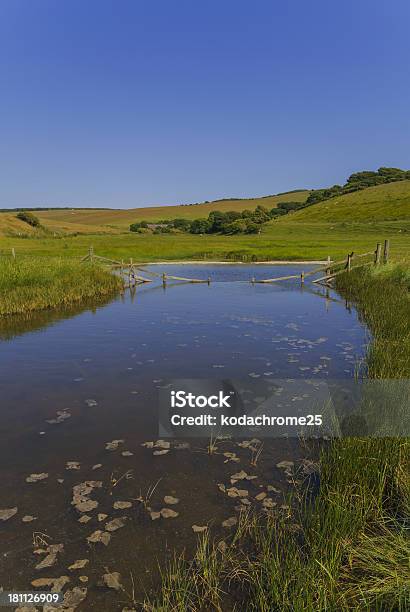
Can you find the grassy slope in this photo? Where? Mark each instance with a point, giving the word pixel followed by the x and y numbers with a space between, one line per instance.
pixel 9 224
pixel 121 219
pixel 382 203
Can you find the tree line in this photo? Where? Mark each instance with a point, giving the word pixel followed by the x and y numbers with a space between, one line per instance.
pixel 218 222
pixel 358 181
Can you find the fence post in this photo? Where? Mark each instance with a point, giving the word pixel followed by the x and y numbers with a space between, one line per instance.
pixel 91 252
pixel 386 251
pixel 302 278
pixel 378 254
pixel 328 266
pixel 349 262
pixel 13 252
pixel 164 279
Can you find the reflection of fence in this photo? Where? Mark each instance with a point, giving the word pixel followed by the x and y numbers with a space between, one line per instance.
pixel 334 268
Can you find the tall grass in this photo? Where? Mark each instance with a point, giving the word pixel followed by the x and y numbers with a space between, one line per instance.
pixel 36 283
pixel 348 549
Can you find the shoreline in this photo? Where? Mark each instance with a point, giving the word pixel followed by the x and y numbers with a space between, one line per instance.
pixel 241 263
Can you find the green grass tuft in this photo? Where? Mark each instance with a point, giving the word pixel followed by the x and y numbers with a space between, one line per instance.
pixel 34 283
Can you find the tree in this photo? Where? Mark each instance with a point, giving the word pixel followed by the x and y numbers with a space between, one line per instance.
pixel 200 226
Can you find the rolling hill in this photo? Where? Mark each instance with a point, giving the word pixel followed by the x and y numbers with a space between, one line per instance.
pixel 98 220
pixel 389 202
pixel 10 225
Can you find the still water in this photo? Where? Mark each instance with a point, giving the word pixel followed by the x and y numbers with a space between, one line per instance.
pixel 72 381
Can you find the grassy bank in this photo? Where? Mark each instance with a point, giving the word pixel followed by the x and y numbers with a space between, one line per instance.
pixel 32 283
pixel 349 548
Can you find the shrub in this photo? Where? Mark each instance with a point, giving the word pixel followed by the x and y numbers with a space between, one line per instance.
pixel 29 218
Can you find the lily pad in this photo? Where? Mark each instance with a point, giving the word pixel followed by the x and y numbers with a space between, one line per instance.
pixel 7 513
pixel 84 519
pixel 115 524
pixel 122 505
pixel 36 477
pixel 168 513
pixel 168 499
pixel 199 528
pixel 99 536
pixel 261 496
pixel 57 584
pixel 113 445
pixel 112 580
pixel 80 564
pixel 28 518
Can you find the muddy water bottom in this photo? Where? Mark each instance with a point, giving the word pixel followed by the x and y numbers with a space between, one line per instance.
pixel 72 383
pixel 139 548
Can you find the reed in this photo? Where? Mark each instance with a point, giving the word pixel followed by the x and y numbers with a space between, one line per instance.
pixel 36 283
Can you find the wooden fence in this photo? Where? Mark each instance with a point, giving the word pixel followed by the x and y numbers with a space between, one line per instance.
pixel 331 268
pixel 334 268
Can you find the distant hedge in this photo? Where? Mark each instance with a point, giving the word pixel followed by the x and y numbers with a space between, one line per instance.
pixel 29 218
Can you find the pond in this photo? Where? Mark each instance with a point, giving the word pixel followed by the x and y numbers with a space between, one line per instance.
pixel 71 382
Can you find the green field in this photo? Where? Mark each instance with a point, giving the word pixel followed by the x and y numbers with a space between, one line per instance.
pixel 280 240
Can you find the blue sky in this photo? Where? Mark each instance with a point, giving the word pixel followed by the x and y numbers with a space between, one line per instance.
pixel 128 103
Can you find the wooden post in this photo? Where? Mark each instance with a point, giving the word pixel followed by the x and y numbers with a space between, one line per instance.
pixel 209 280
pixel 13 252
pixel 349 262
pixel 164 279
pixel 91 252
pixel 302 278
pixel 253 280
pixel 386 251
pixel 328 266
pixel 378 253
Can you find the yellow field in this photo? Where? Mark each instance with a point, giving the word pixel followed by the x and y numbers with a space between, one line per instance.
pixel 11 226
pixel 98 220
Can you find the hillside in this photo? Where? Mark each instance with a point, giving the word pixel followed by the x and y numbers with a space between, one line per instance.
pixel 114 220
pixel 389 202
pixel 10 225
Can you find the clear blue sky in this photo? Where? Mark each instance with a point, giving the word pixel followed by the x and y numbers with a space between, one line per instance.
pixel 139 102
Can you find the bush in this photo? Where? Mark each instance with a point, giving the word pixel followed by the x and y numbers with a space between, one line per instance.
pixel 29 218
pixel 134 227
